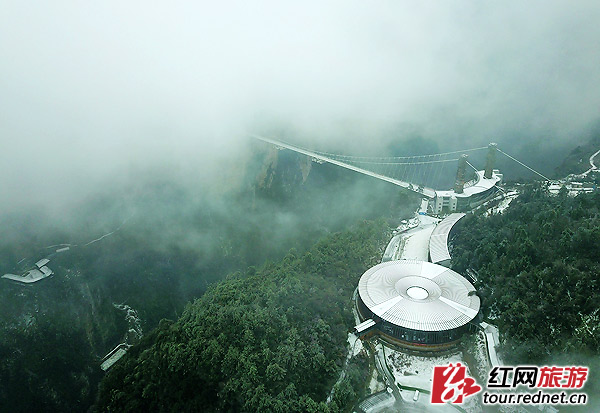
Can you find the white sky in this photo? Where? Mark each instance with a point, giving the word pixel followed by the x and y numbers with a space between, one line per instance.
pixel 89 89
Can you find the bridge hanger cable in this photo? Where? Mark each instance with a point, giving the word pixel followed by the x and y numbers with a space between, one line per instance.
pixel 401 163
pixel 384 158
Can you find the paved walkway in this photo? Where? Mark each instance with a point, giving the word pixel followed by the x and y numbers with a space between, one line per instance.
pixel 492 339
pixel 414 243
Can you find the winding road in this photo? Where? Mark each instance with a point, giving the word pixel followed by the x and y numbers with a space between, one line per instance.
pixel 593 166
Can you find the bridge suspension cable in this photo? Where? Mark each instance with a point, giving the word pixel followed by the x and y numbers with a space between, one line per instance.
pixel 419 173
pixel 396 174
pixel 522 164
pixel 404 163
pixel 475 169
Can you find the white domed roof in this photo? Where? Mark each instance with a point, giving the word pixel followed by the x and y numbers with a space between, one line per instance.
pixel 418 295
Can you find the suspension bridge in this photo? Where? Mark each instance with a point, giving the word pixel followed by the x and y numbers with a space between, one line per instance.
pixel 414 258
pixel 423 173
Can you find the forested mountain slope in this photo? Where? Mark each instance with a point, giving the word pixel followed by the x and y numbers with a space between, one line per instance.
pixel 539 266
pixel 270 339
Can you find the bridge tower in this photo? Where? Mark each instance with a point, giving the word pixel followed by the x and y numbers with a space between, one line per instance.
pixel 490 161
pixel 459 184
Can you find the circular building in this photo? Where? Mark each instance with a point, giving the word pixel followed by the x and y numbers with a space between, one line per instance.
pixel 417 303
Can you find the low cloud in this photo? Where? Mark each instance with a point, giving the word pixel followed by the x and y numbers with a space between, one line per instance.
pixel 89 93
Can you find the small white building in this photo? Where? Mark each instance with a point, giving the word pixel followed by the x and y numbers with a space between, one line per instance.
pixel 40 272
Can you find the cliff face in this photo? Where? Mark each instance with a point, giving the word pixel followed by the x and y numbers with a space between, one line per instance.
pixel 282 173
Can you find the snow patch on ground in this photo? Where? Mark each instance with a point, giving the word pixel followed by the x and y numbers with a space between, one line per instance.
pixel 415 242
pixel 374 384
pixel 503 204
pixel 480 355
pixel 355 344
pixel 417 371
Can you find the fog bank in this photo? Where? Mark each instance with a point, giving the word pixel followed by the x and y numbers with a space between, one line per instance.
pixel 90 92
